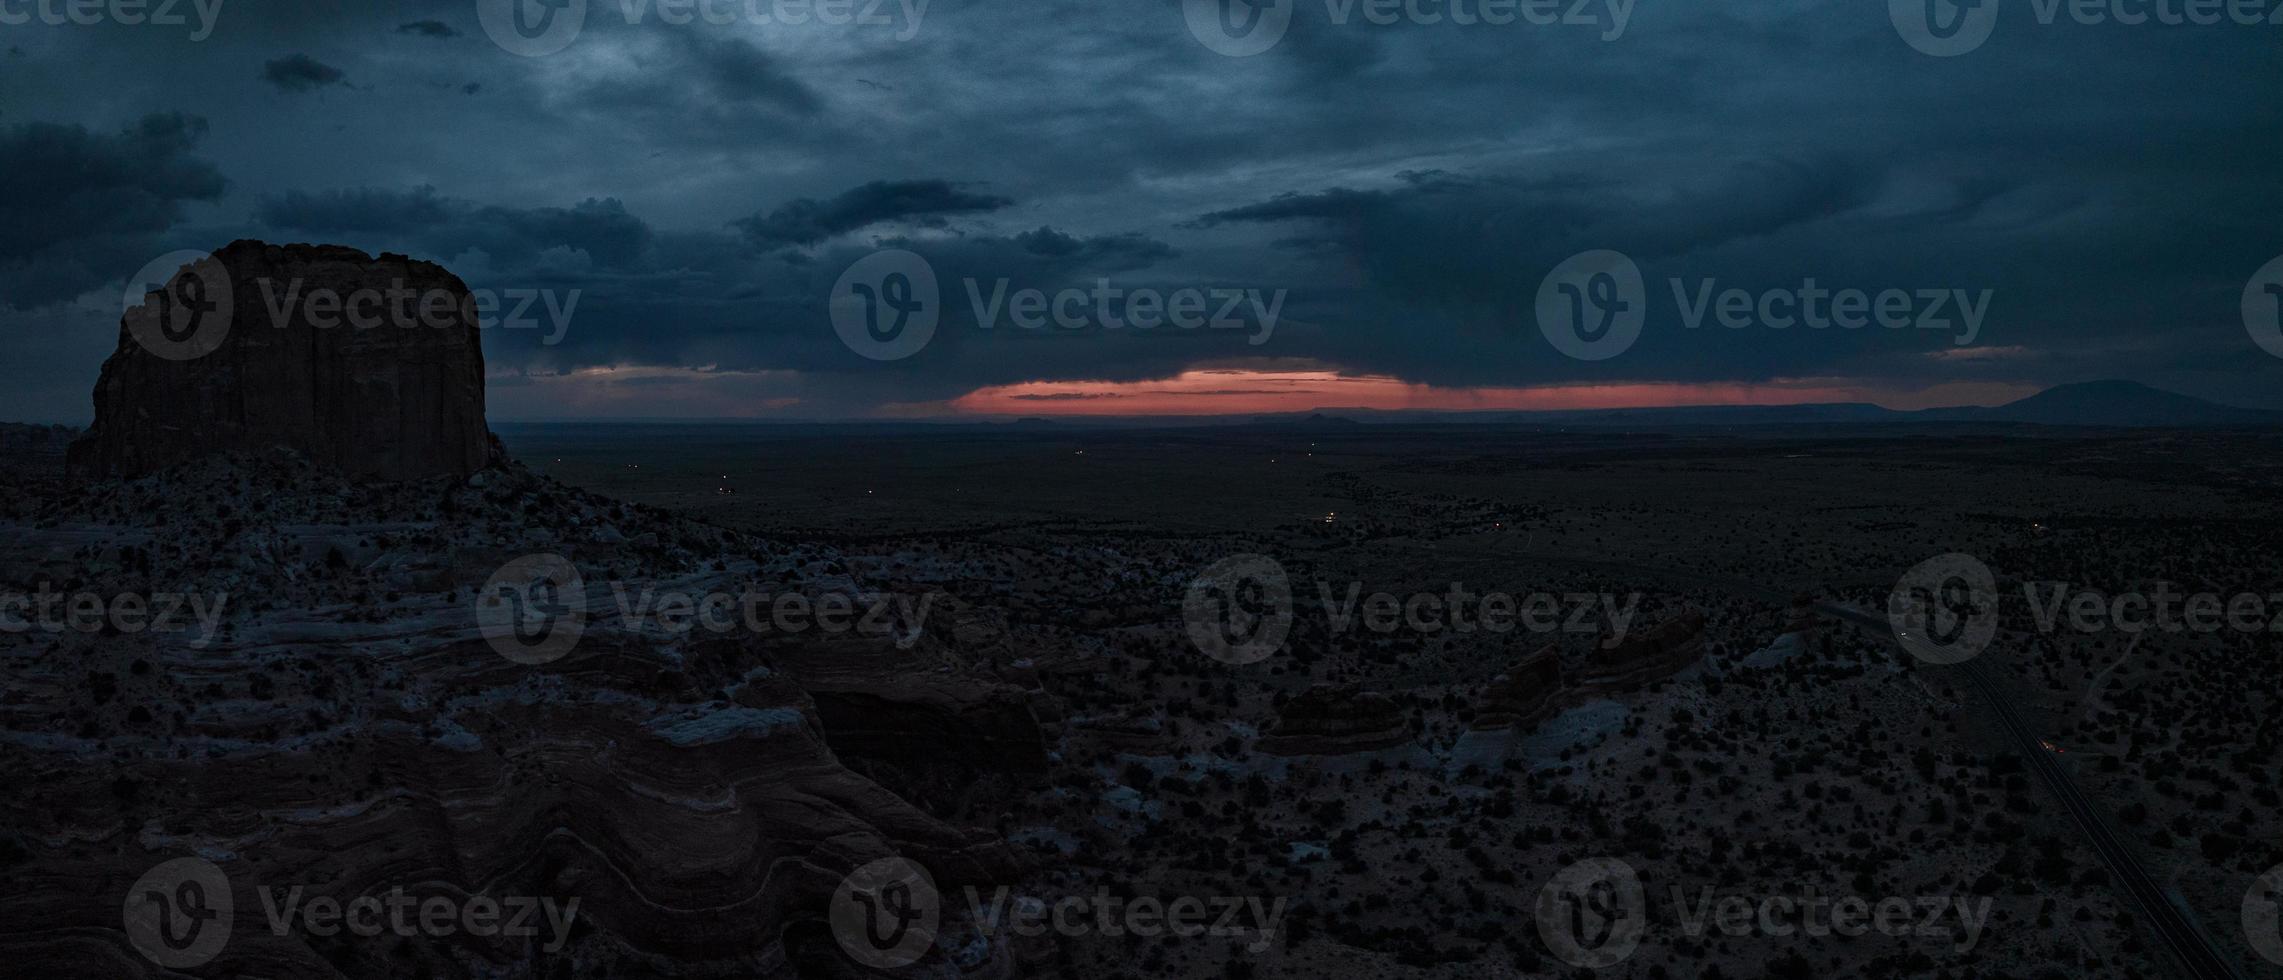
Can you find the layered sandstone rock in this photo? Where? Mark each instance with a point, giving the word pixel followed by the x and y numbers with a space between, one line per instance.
pixel 345 728
pixel 1523 696
pixel 1651 655
pixel 1333 719
pixel 1801 621
pixel 369 365
pixel 348 743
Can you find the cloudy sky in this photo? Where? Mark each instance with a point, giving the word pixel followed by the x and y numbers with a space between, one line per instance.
pixel 1382 201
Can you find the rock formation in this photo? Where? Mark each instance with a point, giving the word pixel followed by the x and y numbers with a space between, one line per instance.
pixel 1523 696
pixel 1647 656
pixel 34 440
pixel 342 729
pixel 369 365
pixel 1801 621
pixel 1333 719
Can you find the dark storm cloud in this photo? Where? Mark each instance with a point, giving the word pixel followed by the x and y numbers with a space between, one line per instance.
pixel 741 72
pixel 1440 235
pixel 301 73
pixel 79 208
pixel 360 209
pixel 602 229
pixel 1410 184
pixel 808 221
pixel 1111 253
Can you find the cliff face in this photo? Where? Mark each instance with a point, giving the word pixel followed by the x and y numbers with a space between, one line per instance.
pixel 1333 719
pixel 1649 656
pixel 1523 696
pixel 372 366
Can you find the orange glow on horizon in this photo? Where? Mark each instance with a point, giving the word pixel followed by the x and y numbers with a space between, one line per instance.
pixel 1245 392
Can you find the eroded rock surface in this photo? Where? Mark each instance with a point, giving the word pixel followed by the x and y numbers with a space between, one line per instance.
pixel 1331 719
pixel 1649 655
pixel 372 366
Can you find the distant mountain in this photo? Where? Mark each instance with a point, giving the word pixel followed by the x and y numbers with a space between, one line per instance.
pixel 2096 404
pixel 2121 404
pixel 36 440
